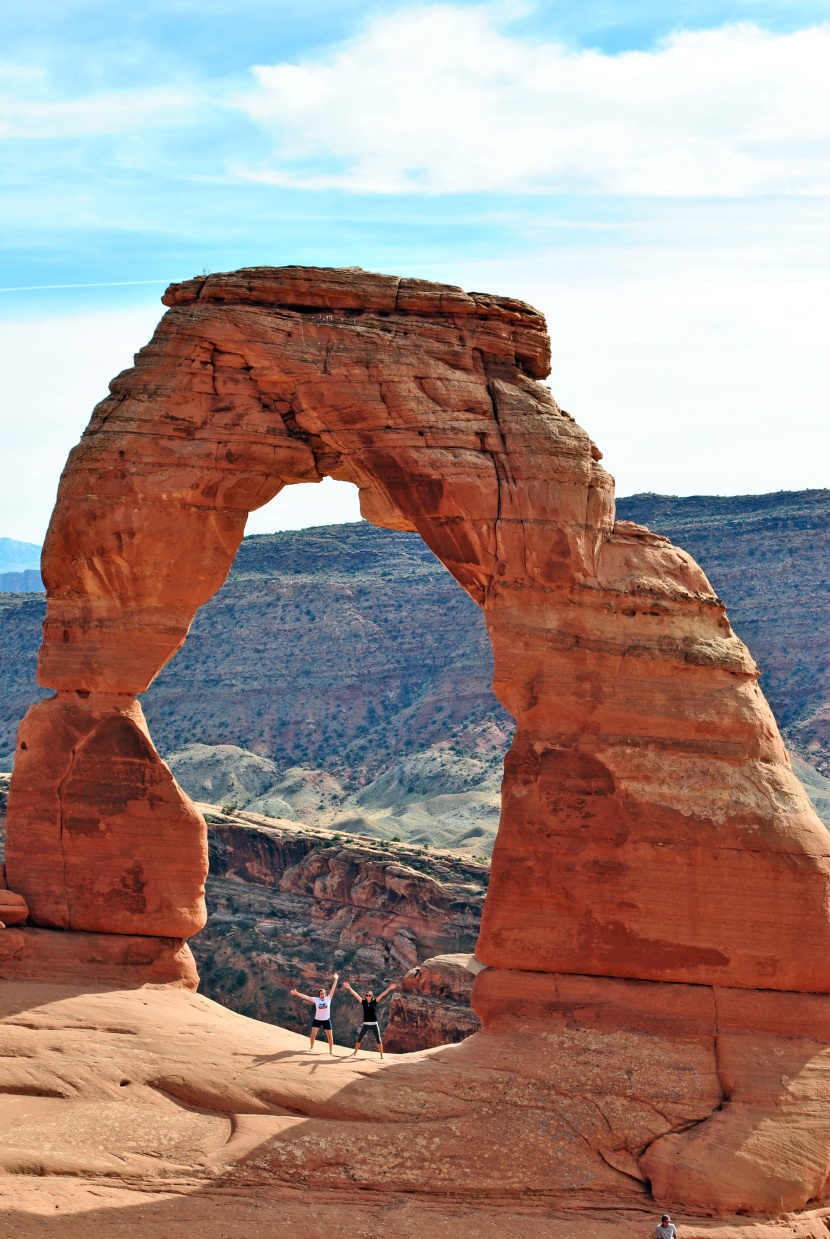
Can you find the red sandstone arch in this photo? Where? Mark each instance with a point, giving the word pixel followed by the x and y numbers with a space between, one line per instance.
pixel 651 827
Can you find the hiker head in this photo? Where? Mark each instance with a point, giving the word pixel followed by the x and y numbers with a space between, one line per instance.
pixel 664 1219
pixel 322 993
pixel 369 995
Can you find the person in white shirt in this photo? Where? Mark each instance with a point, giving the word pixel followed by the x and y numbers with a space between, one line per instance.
pixel 322 1012
pixel 666 1229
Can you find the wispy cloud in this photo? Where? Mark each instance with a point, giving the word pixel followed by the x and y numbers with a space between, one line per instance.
pixel 439 100
pixel 443 99
pixel 113 112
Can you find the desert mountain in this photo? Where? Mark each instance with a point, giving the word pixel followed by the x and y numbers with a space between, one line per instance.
pixel 19 566
pixel 18 556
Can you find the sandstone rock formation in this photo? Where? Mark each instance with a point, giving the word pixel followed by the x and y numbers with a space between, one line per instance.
pixel 99 837
pixel 652 829
pixel 432 1007
pixel 13 908
pixel 641 731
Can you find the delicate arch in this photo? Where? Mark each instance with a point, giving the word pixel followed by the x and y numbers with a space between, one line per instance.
pixel 650 817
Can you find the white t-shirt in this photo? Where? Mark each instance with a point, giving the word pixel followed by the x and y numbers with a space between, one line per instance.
pixel 323 1006
pixel 665 1232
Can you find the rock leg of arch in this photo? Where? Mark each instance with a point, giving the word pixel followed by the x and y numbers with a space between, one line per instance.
pixel 652 830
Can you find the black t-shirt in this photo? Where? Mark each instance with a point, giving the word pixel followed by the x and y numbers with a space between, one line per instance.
pixel 370 1010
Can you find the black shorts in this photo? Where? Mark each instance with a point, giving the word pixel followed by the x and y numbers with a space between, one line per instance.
pixel 322 1024
pixel 374 1029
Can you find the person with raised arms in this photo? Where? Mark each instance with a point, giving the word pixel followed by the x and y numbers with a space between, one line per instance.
pixel 370 1015
pixel 322 1013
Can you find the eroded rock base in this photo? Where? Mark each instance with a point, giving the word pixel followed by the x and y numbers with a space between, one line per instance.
pixel 741 1079
pixel 590 1094
pixel 106 960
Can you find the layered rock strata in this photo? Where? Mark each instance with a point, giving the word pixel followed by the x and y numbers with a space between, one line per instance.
pixel 652 828
pixel 129 961
pixel 432 1006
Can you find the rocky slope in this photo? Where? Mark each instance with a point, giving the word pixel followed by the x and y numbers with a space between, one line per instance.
pixel 768 557
pixel 432 1006
pixel 343 647
pixel 441 796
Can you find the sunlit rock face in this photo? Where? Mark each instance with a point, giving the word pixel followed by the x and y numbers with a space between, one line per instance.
pixel 650 816
pixel 652 830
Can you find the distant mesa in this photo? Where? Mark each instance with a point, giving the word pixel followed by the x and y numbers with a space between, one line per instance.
pixel 19 556
pixel 19 567
pixel 29 581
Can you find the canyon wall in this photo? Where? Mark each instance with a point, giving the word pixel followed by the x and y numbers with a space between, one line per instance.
pixel 289 904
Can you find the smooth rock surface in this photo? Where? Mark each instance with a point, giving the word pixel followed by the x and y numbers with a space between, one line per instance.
pixel 585 1089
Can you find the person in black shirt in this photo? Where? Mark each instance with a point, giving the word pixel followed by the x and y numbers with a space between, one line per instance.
pixel 370 1015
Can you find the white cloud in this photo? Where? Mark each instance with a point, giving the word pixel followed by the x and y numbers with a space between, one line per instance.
pixel 439 100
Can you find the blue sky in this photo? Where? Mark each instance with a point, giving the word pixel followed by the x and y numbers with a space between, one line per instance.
pixel 653 176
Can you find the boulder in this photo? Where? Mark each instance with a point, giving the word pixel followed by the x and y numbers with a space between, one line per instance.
pixel 432 1007
pixel 13 908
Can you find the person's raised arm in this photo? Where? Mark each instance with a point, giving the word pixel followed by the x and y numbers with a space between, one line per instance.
pixel 297 994
pixel 353 993
pixel 334 987
pixel 388 990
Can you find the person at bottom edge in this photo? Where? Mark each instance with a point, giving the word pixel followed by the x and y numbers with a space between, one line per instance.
pixel 322 1013
pixel 370 1015
pixel 666 1229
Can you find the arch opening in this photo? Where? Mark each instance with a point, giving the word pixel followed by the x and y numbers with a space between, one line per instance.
pixel 340 676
